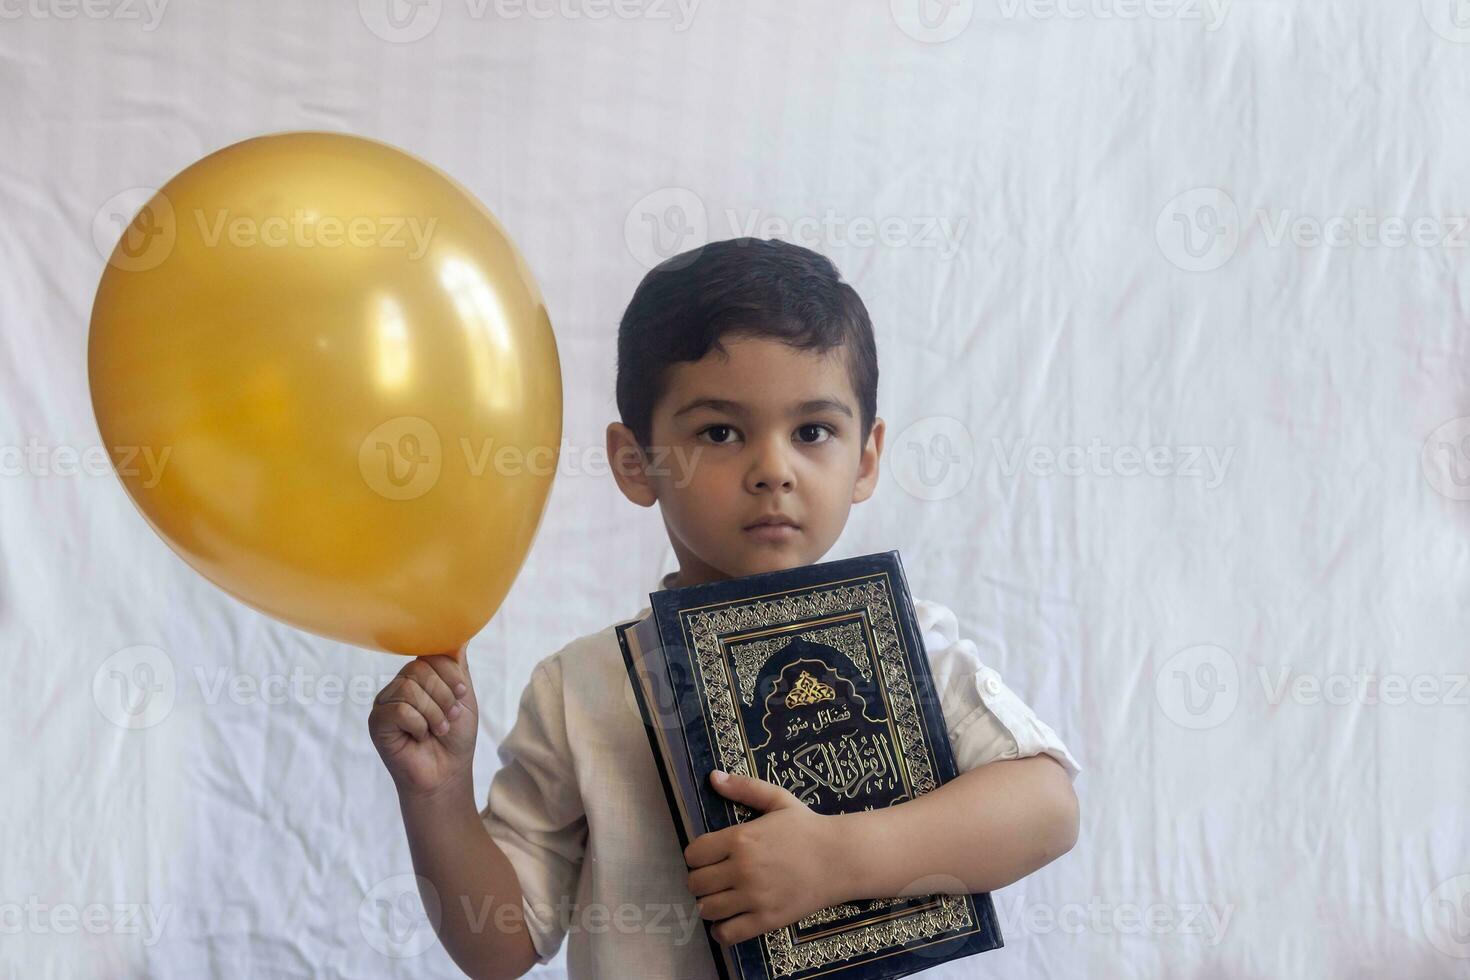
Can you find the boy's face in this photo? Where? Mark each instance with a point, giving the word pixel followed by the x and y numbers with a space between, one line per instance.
pixel 761 429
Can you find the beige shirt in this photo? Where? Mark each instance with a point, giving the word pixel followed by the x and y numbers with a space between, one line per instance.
pixel 579 810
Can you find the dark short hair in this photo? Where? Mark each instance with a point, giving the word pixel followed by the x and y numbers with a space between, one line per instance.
pixel 745 286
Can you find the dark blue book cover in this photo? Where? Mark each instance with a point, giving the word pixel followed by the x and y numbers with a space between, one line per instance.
pixel 814 678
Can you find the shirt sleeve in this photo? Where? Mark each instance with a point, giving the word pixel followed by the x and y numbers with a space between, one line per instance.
pixel 534 809
pixel 985 719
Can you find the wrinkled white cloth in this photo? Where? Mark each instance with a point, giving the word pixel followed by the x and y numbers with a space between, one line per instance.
pixel 579 810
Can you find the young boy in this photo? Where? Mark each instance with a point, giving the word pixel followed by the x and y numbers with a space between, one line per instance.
pixel 747 385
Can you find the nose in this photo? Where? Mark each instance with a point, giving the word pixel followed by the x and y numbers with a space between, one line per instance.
pixel 770 468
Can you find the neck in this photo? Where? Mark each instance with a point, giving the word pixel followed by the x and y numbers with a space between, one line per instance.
pixel 682 578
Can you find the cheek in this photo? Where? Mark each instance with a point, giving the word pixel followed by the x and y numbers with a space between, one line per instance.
pixel 703 486
pixel 693 475
pixel 834 489
pixel 682 467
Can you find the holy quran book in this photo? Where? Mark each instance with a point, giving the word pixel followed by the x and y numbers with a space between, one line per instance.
pixel 816 679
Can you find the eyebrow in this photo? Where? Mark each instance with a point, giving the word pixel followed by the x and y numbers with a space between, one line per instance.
pixel 811 407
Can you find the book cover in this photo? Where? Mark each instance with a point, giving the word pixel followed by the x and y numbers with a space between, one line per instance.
pixel 814 678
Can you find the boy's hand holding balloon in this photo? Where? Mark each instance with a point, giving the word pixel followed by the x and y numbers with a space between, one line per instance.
pixel 423 724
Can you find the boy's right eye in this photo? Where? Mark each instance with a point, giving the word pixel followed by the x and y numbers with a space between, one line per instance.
pixel 716 428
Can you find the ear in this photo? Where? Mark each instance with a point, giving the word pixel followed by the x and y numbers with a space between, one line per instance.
pixel 867 475
pixel 629 465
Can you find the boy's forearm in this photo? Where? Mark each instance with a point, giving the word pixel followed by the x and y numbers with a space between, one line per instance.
pixel 481 925
pixel 980 831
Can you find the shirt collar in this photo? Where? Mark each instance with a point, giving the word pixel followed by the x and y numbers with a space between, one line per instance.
pixel 659 583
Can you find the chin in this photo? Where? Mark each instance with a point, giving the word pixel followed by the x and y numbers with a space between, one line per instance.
pixel 774 560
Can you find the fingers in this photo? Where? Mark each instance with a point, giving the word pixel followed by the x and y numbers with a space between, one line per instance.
pixel 710 879
pixel 738 929
pixel 432 680
pixel 711 847
pixel 451 669
pixel 423 691
pixel 391 717
pixel 722 905
pixel 758 793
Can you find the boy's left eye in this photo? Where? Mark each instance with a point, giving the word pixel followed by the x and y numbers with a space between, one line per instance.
pixel 821 432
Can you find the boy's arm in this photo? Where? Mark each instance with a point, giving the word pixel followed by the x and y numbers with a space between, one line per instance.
pixel 1009 810
pixel 987 827
pixel 424 723
pixel 481 922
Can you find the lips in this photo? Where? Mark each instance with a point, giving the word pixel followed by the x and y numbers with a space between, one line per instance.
pixel 772 522
pixel 773 529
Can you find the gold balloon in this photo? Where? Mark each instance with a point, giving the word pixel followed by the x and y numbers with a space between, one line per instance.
pixel 348 375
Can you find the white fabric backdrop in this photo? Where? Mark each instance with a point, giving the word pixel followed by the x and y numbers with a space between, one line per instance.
pixel 1088 231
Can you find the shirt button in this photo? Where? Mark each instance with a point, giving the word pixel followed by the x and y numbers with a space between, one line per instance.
pixel 992 684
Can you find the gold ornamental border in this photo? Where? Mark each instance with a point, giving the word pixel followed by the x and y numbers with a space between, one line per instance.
pixel 706 628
